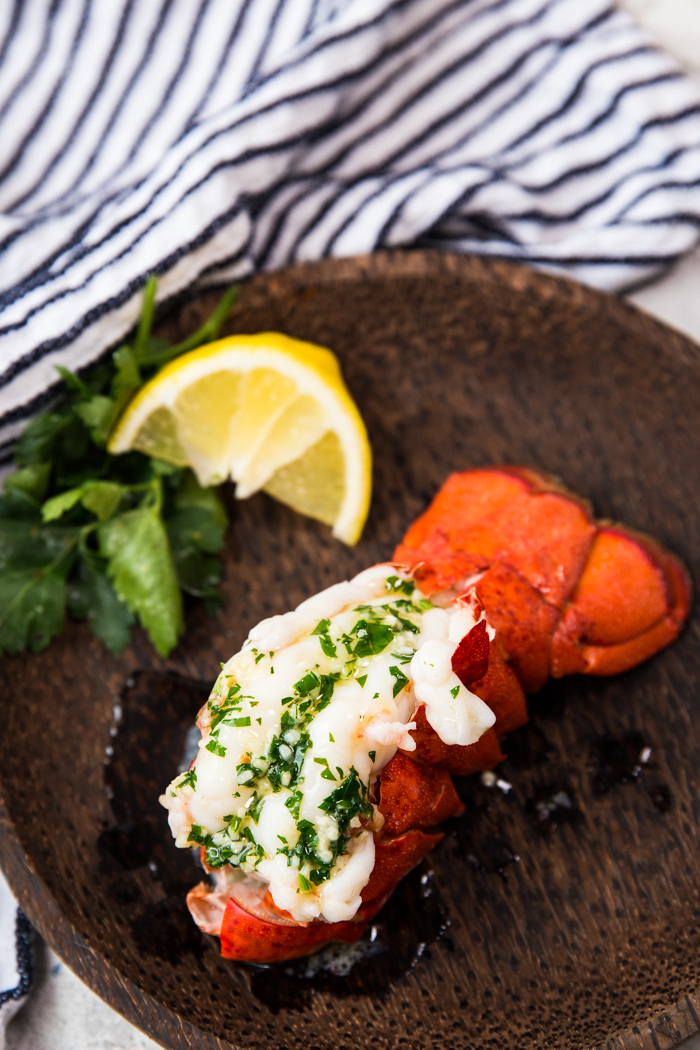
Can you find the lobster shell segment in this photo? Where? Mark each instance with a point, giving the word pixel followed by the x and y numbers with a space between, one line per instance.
pixel 508 515
pixel 564 593
pixel 248 938
pixel 414 796
pixel 630 602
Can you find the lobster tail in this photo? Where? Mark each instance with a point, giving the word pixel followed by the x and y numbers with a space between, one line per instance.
pixel 564 593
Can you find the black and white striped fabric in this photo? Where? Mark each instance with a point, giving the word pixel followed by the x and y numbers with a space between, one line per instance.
pixel 16 963
pixel 204 139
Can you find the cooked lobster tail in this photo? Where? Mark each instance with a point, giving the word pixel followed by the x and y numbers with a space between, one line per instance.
pixel 560 592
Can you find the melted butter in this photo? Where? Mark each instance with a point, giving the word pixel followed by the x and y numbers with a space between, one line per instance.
pixel 302 720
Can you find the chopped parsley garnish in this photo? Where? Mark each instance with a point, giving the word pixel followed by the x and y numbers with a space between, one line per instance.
pixel 401 680
pixel 372 637
pixel 322 629
pixel 395 585
pixel 350 799
pixel 216 748
pixel 293 803
pixel 378 626
pixel 259 657
pixel 454 692
pixel 189 779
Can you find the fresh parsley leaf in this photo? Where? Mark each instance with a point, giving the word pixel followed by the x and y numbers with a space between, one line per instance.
pixel 34 564
pixel 141 568
pixel 91 497
pixel 32 604
pixel 33 480
pixel 454 692
pixel 91 596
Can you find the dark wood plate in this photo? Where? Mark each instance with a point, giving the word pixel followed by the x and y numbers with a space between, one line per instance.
pixel 526 934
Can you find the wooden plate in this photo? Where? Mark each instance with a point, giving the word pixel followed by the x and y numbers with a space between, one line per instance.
pixel 526 934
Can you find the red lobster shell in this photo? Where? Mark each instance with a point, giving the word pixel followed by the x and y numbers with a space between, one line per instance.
pixel 565 594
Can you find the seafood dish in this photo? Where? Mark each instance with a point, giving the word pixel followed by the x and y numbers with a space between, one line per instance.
pixel 329 742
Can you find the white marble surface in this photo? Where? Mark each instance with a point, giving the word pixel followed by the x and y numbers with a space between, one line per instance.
pixel 62 1013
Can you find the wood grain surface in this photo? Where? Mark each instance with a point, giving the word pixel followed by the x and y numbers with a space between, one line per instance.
pixel 576 930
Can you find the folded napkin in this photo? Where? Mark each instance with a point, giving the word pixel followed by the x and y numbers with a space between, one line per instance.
pixel 15 957
pixel 202 141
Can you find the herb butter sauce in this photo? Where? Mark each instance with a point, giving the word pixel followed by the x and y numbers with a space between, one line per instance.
pixel 300 723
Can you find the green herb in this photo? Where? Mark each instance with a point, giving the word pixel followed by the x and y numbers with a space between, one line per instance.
pixel 348 800
pixel 255 807
pixel 362 679
pixel 454 692
pixel 110 539
pixel 395 585
pixel 304 883
pixel 240 723
pixel 306 684
pixel 245 772
pixel 216 748
pixel 189 779
pixel 331 738
pixel 372 755
pixel 259 657
pixel 401 680
pixel 322 629
pixel 293 803
pixel 372 637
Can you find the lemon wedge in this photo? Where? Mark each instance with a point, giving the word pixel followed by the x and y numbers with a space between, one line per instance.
pixel 271 413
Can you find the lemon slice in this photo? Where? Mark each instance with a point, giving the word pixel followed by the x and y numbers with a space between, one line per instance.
pixel 269 412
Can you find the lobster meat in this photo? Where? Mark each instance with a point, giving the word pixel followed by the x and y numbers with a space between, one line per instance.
pixel 553 592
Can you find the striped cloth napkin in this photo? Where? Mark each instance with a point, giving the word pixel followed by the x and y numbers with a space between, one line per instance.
pixel 16 964
pixel 204 140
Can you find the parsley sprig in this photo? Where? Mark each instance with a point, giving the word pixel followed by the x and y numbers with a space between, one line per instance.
pixel 110 539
